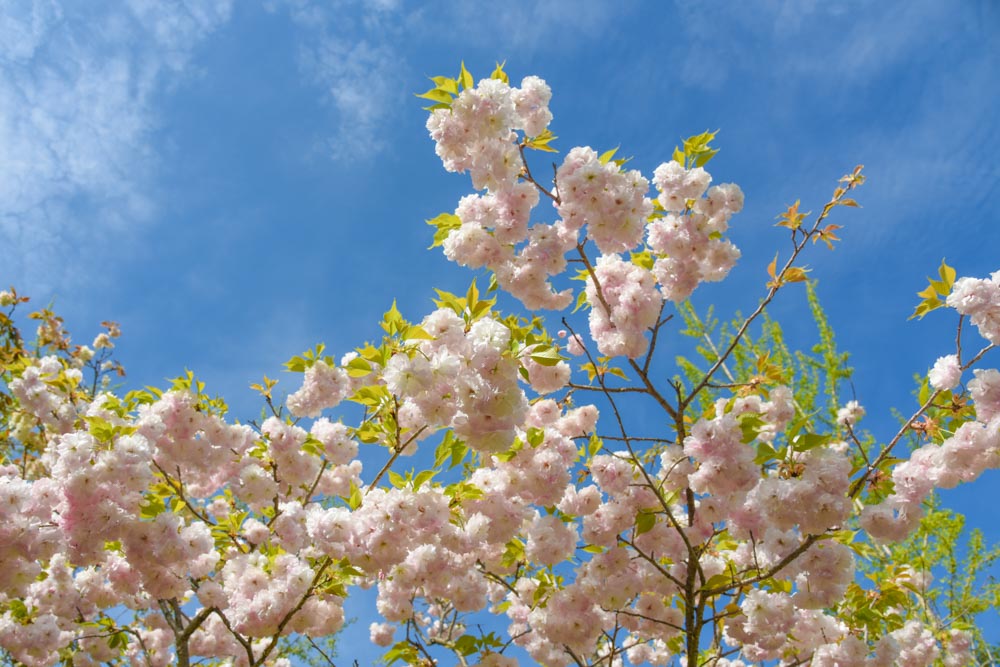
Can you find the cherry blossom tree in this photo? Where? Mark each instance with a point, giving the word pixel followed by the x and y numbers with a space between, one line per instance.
pixel 752 521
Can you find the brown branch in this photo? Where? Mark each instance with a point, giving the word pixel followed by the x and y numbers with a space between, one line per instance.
pixel 526 175
pixel 327 561
pixel 615 390
pixel 677 582
pixel 245 643
pixel 650 388
pixel 776 285
pixel 178 488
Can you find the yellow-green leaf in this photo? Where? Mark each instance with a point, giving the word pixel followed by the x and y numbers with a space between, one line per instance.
pixel 446 84
pixel 644 522
pixel 421 478
pixel 541 142
pixel 444 223
pixel 607 155
pixel 436 95
pixel 936 291
pixel 465 78
pixel 358 367
pixel 643 259
pixel 498 73
pixel 547 357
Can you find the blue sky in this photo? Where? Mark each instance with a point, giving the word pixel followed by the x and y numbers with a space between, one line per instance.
pixel 234 182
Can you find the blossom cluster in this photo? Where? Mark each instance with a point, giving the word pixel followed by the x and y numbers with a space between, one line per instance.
pixel 979 300
pixel 974 446
pixel 220 540
pixel 92 534
pixel 962 457
pixel 690 248
pixel 594 195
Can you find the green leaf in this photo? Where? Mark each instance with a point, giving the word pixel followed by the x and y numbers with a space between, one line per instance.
pixel 444 223
pixel 465 78
pixel 498 73
pixel 118 641
pixel 446 84
pixel 358 367
pixel 643 259
pixel 541 142
pixel 392 320
pixel 312 446
pixel 449 300
pixel 750 425
pixel 547 357
pixel 513 553
pixel 18 609
pixel 704 157
pixel 296 364
pixel 436 95
pixel 466 644
pixel 594 445
pixel 718 581
pixel 924 392
pixel 451 448
pixel 936 291
pixel 355 498
pixel 373 432
pixel 614 370
pixel 152 506
pixel 372 395
pixel 697 150
pixel 414 332
pixel 472 296
pixel 422 477
pixel 947 274
pixel 644 522
pixel 101 429
pixel 401 652
pixel 396 479
pixel 806 441
pixel 607 155
pixel 765 453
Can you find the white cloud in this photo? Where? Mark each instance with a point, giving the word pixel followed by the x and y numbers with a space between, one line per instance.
pixel 842 43
pixel 346 49
pixel 77 108
pixel 908 87
pixel 362 84
pixel 351 49
pixel 939 158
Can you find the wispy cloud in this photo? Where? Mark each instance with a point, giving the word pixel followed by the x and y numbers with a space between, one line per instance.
pixel 525 26
pixel 936 169
pixel 353 50
pixel 346 49
pixel 77 111
pixel 824 70
pixel 841 43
